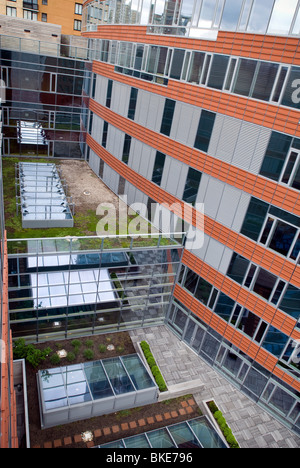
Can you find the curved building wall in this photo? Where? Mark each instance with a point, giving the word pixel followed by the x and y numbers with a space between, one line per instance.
pixel 182 123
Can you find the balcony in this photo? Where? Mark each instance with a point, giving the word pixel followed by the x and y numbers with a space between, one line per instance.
pixel 31 5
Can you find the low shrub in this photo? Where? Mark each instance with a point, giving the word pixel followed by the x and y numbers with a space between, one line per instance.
pixel 76 343
pixel 55 359
pixel 227 432
pixel 71 356
pixel 89 343
pixel 102 348
pixel 153 366
pixel 88 354
pixel 32 355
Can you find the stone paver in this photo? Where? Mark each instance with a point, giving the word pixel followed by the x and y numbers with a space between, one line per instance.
pixel 252 426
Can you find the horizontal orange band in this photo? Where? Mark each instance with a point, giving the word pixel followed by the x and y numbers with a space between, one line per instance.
pixel 237 242
pixel 256 46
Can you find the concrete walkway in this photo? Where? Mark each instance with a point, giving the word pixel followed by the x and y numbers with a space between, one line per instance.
pixel 251 425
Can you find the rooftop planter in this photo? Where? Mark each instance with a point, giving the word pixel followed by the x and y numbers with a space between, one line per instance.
pixel 149 358
pixel 222 424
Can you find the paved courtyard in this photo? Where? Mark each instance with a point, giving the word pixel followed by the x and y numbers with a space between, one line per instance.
pixel 252 426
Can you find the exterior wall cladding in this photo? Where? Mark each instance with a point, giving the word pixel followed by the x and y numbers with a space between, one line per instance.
pixel 198 102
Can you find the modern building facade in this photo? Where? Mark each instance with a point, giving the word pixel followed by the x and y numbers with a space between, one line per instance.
pixel 68 13
pixel 197 103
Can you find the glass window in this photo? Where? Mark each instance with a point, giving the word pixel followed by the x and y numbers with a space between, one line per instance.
pixel 237 268
pixel 264 83
pixel 203 291
pixel 218 71
pixel 196 67
pixel 157 57
pixel 291 301
pixel 207 14
pixel 132 103
pixel 274 341
pixel 160 438
pixel 282 16
pixel 204 131
pixel 11 11
pixel 186 12
pixel 248 322
pixel 244 76
pixel 167 118
pixel 104 134
pixel 77 25
pixel 279 84
pixel 231 14
pixel 126 148
pixel 224 306
pixel 184 437
pixel 260 15
pixel 138 59
pixel 191 280
pixel 177 62
pixel 191 186
pixel 282 238
pixel 264 283
pixel 78 9
pixel 158 167
pixel 109 93
pixel 254 218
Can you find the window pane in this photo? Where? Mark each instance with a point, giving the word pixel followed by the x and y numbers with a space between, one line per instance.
pixel 203 290
pixel 218 71
pixel 296 181
pixel 245 75
pixel 254 218
pixel 282 17
pixel 274 341
pixel 282 238
pixel 237 268
pixel 176 67
pixel 224 306
pixel 158 167
pixel 204 131
pixel 191 281
pixel 196 67
pixel 191 186
pixel 248 322
pixel 132 103
pixel 231 14
pixel 126 149
pixel 277 151
pixel 260 16
pixel 167 117
pixel 291 302
pixel 265 81
pixel 296 249
pixel 264 283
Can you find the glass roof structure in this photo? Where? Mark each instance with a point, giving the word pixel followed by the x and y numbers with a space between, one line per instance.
pixel 195 433
pixel 81 391
pixel 42 197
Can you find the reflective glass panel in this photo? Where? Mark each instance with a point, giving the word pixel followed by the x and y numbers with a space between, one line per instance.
pixel 264 283
pixel 160 439
pixel 184 437
pixel 138 374
pixel 117 376
pixel 97 380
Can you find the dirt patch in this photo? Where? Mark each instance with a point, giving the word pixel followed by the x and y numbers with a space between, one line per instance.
pixel 86 189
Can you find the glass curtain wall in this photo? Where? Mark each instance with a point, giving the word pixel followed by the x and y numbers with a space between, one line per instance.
pixel 72 288
pixel 191 17
pixel 44 91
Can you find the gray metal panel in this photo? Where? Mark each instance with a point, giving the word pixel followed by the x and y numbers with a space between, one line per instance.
pixel 120 98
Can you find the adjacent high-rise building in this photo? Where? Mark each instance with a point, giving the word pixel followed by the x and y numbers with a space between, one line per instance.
pixel 68 13
pixel 195 103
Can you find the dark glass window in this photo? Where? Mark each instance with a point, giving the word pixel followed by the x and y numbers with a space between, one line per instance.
pixel 296 249
pixel 255 218
pixel 203 291
pixel 280 83
pixel 224 306
pixel 167 118
pixel 237 268
pixel 245 75
pixel 132 103
pixel 265 81
pixel 196 67
pixel 158 167
pixel 104 134
pixel 109 92
pixel 204 131
pixel 264 283
pixel 191 186
pixel 138 57
pixel 282 238
pixel 248 323
pixel 177 62
pixel 275 156
pixel 291 301
pixel 218 71
pixel 126 149
pixel 274 341
pixel 191 280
